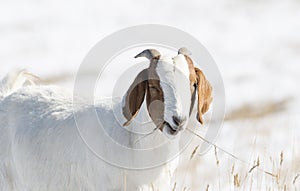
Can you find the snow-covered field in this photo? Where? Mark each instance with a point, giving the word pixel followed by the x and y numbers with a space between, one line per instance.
pixel 256 45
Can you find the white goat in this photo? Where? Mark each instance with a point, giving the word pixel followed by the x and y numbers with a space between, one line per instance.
pixel 41 148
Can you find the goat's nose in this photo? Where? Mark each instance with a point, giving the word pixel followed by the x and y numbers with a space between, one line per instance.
pixel 178 120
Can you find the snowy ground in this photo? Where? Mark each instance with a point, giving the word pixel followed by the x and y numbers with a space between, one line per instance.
pixel 256 45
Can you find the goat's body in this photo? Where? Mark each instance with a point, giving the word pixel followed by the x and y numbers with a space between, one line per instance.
pixel 47 142
pixel 41 148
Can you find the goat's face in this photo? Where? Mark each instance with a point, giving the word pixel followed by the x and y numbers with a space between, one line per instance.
pixel 170 86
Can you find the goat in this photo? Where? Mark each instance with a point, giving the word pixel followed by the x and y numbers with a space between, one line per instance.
pixel 41 148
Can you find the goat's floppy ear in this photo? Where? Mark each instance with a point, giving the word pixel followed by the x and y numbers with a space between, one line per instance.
pixel 204 90
pixel 193 99
pixel 135 96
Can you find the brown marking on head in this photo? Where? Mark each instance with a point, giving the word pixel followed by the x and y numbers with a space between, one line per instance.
pixel 146 83
pixel 193 81
pixel 204 90
pixel 199 83
pixel 135 96
pixel 155 96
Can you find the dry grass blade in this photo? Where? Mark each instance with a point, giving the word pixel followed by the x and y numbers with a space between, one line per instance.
pixel 216 155
pixel 237 182
pixel 152 186
pixel 228 153
pixel 255 166
pixel 259 111
pixel 194 152
pixel 281 158
pixel 271 174
pixel 174 187
pixel 296 177
pixel 232 169
pixel 207 187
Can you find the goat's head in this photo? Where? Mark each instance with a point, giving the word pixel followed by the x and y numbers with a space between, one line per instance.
pixel 170 86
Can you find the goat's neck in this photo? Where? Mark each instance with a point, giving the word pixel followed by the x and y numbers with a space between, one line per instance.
pixel 137 144
pixel 141 132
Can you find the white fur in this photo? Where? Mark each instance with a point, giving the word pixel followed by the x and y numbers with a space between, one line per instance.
pixel 174 80
pixel 41 149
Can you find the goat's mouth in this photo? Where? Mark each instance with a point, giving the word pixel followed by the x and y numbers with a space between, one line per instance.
pixel 169 129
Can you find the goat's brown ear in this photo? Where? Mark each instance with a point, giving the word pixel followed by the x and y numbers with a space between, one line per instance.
pixel 204 90
pixel 135 96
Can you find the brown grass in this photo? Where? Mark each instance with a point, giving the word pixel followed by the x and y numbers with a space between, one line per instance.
pixel 258 110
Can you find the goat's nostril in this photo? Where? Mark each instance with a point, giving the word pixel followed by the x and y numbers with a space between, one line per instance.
pixel 178 120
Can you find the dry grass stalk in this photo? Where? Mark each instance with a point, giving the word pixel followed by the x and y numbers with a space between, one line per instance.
pixel 207 187
pixel 216 155
pixel 281 158
pixel 236 181
pixel 253 112
pixel 152 186
pixel 194 152
pixel 296 177
pixel 279 169
pixel 218 162
pixel 228 153
pixel 232 169
pixel 255 166
pixel 271 174
pixel 174 187
pixel 278 178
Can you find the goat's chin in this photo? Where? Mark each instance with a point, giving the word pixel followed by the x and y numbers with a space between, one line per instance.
pixel 169 132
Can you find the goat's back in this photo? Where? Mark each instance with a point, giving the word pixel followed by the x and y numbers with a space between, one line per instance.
pixel 43 149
